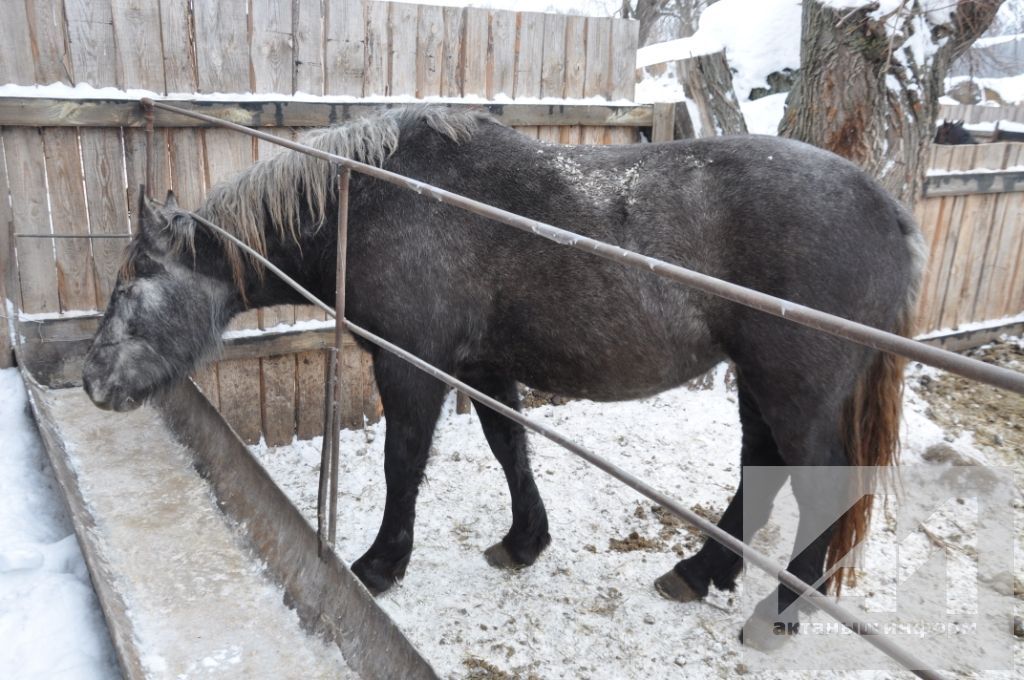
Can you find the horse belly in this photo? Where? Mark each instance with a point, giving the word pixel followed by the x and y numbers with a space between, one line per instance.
pixel 616 362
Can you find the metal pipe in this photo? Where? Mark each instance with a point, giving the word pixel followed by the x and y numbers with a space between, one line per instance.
pixel 147 111
pixel 323 520
pixel 829 323
pixel 24 235
pixel 759 559
pixel 339 332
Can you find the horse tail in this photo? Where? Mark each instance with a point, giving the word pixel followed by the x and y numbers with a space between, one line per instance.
pixel 871 419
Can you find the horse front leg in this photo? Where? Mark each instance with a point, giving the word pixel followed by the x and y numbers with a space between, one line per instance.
pixel 528 535
pixel 412 402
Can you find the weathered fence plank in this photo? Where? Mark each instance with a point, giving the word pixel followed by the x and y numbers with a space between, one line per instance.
pixel 49 42
pixel 575 69
pixel 8 267
pixel 222 46
pixel 179 61
pixel 16 64
pixel 529 60
pixel 501 55
pixel 91 41
pixel 402 27
pixel 429 51
pixel 375 77
pixel 26 169
pixel 452 67
pixel 271 53
pixel 307 36
pixel 344 63
pixel 103 165
pixel 140 60
pixel 475 37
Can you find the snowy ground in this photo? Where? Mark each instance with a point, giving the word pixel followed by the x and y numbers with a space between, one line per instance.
pixel 587 607
pixel 50 622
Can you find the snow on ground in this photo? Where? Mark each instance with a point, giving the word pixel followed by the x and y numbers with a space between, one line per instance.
pixel 587 608
pixel 50 622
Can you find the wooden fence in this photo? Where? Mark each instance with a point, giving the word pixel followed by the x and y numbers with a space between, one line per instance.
pixel 84 180
pixel 973 220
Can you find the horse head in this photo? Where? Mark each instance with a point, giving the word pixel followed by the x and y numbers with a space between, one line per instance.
pixel 165 314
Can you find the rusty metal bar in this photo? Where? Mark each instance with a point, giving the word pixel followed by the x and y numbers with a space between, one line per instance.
pixel 24 235
pixel 759 559
pixel 323 520
pixel 147 111
pixel 344 176
pixel 828 323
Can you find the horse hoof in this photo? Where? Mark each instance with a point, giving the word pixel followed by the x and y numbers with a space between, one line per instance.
pixel 672 586
pixel 374 581
pixel 498 556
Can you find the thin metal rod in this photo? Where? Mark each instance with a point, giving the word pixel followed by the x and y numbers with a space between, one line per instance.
pixel 339 333
pixel 147 110
pixel 24 235
pixel 759 559
pixel 828 323
pixel 323 521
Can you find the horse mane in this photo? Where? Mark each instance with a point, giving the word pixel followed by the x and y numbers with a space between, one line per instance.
pixel 293 191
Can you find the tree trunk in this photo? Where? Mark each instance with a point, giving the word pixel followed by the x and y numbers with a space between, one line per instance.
pixel 865 92
pixel 708 82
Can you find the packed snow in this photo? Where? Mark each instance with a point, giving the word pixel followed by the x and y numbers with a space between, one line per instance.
pixel 50 622
pixel 587 608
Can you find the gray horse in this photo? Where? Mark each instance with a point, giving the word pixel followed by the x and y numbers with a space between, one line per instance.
pixel 495 306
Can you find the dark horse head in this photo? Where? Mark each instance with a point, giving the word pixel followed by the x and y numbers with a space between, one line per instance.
pixel 165 315
pixel 953 132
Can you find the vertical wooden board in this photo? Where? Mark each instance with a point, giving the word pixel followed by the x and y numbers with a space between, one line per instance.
pixel 16 64
pixel 530 57
pixel 575 70
pixel 309 394
pixel 345 34
pixel 958 246
pixel 625 39
pixel 75 286
pixel 140 58
pixel 26 176
pixel 91 41
pixel 934 221
pixel 553 61
pixel 238 381
pixel 982 213
pixel 222 46
pixel 106 201
pixel 270 46
pixel 308 37
pixel 452 67
pixel 187 162
pixel 1015 285
pixel 176 39
pixel 278 383
pixel 49 42
pixel 430 53
pixel 597 81
pixel 945 244
pixel 474 50
pixel 377 57
pixel 359 400
pixel 402 26
pixel 997 269
pixel 501 55
pixel 135 168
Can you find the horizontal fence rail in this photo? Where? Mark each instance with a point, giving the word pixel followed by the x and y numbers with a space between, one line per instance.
pixel 812 318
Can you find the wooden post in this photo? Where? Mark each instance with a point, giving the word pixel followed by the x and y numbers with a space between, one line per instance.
pixel 664 122
pixel 7 269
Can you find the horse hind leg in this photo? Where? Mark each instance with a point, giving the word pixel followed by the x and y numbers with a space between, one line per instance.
pixel 528 535
pixel 714 563
pixel 412 402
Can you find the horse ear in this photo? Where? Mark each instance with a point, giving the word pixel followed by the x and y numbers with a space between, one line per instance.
pixel 171 202
pixel 150 219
